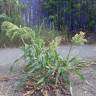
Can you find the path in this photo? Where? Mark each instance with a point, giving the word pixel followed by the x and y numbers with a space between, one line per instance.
pixel 85 51
pixel 9 81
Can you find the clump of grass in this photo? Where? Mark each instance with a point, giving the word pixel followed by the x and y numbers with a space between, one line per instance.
pixel 43 64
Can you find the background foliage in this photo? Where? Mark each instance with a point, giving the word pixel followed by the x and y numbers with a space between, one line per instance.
pixel 64 16
pixel 10 10
pixel 75 14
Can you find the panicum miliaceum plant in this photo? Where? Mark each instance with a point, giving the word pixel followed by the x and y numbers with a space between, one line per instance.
pixel 43 64
pixel 79 39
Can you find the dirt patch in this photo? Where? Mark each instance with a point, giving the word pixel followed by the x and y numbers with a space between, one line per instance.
pixel 47 90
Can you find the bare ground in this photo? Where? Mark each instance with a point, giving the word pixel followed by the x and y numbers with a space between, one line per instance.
pixel 86 87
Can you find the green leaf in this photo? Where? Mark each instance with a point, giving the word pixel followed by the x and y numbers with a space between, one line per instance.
pixel 41 80
pixel 81 76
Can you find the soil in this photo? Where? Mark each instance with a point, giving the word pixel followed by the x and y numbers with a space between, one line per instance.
pixel 48 90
